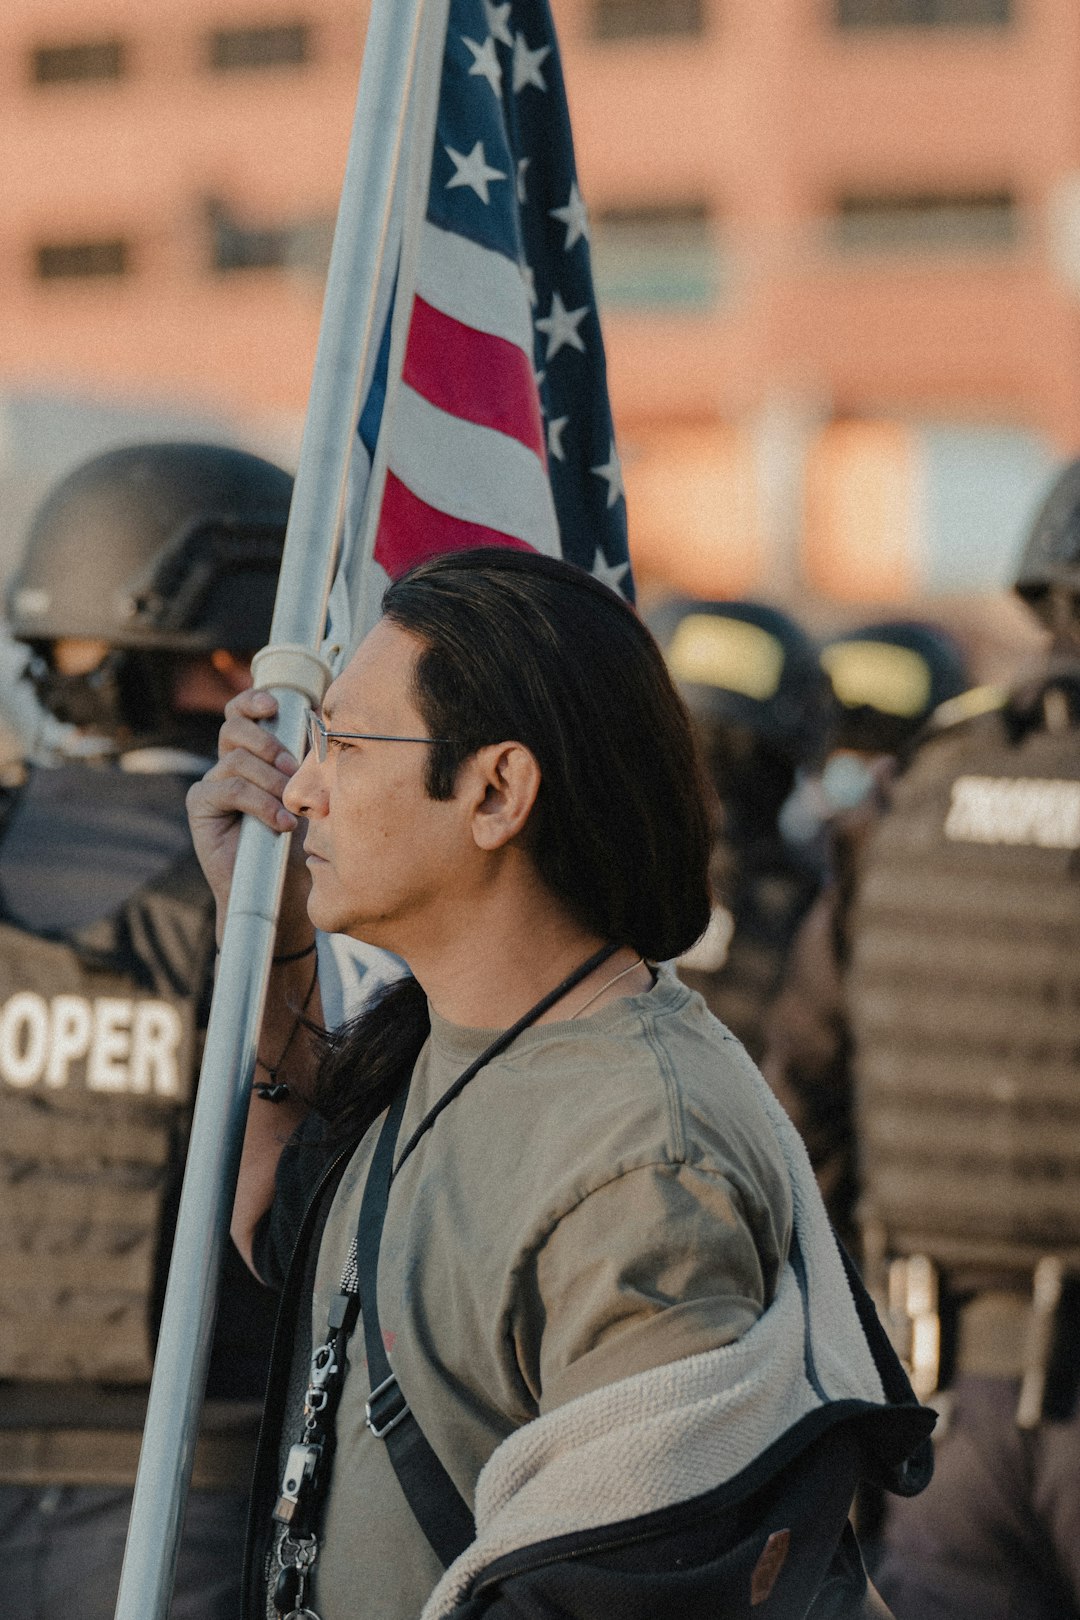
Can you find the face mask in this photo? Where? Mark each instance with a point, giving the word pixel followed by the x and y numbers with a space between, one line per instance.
pixel 846 781
pixel 91 701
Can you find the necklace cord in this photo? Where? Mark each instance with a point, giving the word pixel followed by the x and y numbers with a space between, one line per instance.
pixel 585 1005
pixel 500 1043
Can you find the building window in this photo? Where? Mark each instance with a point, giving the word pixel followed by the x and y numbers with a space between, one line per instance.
pixel 302 246
pixel 77 64
pixel 942 222
pixel 656 256
pixel 923 13
pixel 640 19
pixel 78 261
pixel 274 45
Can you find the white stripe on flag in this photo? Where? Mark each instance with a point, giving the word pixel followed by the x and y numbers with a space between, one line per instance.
pixel 480 288
pixel 344 627
pixel 506 486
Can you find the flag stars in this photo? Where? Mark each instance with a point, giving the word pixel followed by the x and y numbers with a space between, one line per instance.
pixel 497 20
pixel 561 328
pixel 485 62
pixel 574 216
pixel 523 164
pixel 555 430
pixel 613 575
pixel 473 171
pixel 612 471
pixel 527 65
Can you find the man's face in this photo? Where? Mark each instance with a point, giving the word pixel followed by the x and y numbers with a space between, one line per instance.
pixel 385 859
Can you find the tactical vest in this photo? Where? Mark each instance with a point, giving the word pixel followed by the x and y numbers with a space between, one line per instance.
pixel 98 1052
pixel 964 1000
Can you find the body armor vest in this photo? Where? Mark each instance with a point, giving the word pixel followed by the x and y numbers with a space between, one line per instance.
pixel 964 998
pixel 99 1032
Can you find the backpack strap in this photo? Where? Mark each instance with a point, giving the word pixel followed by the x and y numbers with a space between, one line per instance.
pixel 438 1506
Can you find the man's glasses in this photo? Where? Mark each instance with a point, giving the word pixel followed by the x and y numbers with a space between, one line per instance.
pixel 319 738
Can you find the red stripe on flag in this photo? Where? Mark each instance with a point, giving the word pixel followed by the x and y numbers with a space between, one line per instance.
pixel 475 376
pixel 410 531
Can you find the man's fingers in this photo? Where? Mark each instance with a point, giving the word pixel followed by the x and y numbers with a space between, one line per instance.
pixel 254 702
pixel 240 762
pixel 216 798
pixel 243 733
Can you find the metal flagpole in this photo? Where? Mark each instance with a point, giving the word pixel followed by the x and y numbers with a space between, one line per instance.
pixel 291 668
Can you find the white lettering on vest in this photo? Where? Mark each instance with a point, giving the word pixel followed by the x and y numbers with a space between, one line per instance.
pixel 1014 810
pixel 72 1025
pixel 155 1042
pixel 24 1038
pixel 124 1045
pixel 107 1068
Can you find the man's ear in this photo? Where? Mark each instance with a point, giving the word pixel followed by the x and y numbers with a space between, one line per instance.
pixel 504 785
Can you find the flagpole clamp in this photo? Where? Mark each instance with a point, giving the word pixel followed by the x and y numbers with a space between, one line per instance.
pixel 290 665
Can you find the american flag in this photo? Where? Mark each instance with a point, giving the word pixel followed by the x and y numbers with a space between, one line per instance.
pixel 487 418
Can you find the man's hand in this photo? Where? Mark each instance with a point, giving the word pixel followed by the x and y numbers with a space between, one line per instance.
pixel 250 776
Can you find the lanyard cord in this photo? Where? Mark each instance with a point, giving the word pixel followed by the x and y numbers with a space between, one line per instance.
pixel 500 1044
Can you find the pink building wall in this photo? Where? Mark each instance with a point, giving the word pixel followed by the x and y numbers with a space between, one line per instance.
pixel 765 119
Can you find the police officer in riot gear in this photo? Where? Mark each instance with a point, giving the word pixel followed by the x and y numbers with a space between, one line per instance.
pixel 754 687
pixel 964 998
pixel 148 582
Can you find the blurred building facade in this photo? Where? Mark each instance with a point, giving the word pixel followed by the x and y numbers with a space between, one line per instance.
pixel 837 244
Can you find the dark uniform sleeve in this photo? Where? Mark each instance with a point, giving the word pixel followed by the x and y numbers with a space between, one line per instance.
pixel 807 1040
pixel 807 1057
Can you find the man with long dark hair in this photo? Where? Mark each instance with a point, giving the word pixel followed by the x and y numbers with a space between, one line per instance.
pixel 586 1217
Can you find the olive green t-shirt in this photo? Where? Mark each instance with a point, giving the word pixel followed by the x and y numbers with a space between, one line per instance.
pixel 605 1197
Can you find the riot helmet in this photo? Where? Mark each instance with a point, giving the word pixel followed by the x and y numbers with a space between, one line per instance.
pixel 160 552
pixel 1048 575
pixel 751 679
pixel 888 679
